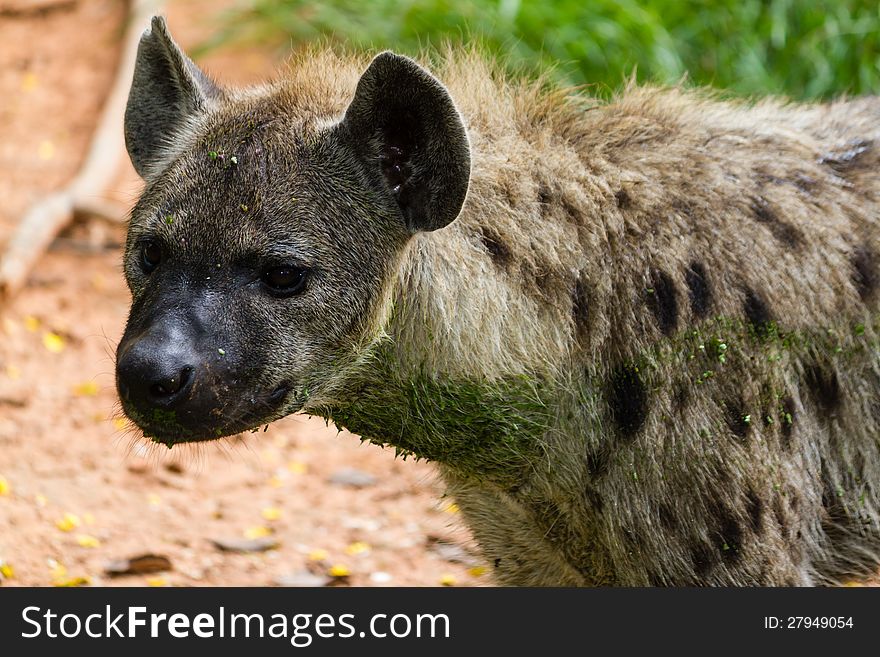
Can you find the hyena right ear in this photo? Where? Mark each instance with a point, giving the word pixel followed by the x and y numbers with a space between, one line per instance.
pixel 168 88
pixel 407 131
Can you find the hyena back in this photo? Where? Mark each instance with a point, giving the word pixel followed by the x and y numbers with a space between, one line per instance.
pixel 642 349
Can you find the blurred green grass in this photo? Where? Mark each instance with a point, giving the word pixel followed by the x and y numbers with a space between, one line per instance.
pixel 806 49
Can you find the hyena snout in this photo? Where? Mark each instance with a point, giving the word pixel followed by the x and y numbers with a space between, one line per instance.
pixel 178 384
pixel 171 385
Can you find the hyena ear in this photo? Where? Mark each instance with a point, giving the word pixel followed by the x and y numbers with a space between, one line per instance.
pixel 167 89
pixel 406 129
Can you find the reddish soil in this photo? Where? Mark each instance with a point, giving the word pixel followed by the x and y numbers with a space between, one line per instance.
pixel 78 487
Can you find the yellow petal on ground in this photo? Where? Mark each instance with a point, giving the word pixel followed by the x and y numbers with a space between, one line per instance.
pixel 154 500
pixel 46 150
pixel 29 81
pixel 339 570
pixel 6 571
pixel 318 555
pixel 31 323
pixel 13 372
pixel 156 581
pixel 87 541
pixel 447 580
pixel 276 481
pixel 121 423
pixel 257 532
pixel 853 584
pixel 82 580
pixel 477 571
pixel 86 389
pixel 358 547
pixel 452 507
pixel 297 467
pixel 271 513
pixel 53 342
pixel 68 522
pixel 5 487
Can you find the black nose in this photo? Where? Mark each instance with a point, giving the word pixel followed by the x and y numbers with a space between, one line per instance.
pixel 155 372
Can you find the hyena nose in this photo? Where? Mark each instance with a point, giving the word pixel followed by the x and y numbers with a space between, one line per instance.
pixel 151 375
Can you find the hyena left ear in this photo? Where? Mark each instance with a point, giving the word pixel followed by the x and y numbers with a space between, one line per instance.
pixel 405 128
pixel 167 90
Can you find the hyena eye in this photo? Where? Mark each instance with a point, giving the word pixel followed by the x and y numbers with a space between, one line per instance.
pixel 284 281
pixel 151 255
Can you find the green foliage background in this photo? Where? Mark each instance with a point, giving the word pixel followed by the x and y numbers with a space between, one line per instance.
pixel 806 49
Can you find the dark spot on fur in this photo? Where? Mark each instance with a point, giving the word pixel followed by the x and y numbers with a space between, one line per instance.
pixel 699 292
pixel 580 307
pixel 627 401
pixel 622 198
pixel 544 198
pixel 497 563
pixel 667 517
pixel 850 158
pixel 663 301
pixel 597 462
pixel 865 275
pixel 782 231
pixel 681 396
pixel 738 419
pixel 728 534
pixel 495 247
pixel 786 421
pixel 824 388
pixel 755 509
pixel 757 313
pixel 594 500
pixel 703 559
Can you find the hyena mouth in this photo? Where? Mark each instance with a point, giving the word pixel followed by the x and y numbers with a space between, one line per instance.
pixel 170 426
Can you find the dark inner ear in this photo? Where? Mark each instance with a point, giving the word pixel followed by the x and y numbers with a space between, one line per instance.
pixel 400 143
pixel 407 131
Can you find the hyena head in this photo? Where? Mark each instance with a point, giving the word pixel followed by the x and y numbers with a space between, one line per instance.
pixel 262 251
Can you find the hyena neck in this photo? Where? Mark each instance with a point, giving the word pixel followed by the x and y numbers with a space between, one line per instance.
pixel 400 395
pixel 488 430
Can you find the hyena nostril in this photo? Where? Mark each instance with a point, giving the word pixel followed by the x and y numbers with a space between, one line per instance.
pixel 173 384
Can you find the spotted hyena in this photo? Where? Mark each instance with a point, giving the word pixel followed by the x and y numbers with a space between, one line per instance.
pixel 639 338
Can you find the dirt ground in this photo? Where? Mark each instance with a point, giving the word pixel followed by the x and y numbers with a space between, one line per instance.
pixel 302 503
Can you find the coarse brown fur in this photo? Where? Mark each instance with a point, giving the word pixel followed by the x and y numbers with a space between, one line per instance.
pixel 688 285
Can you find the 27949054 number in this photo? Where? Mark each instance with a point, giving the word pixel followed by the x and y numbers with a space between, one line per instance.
pixel 808 622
